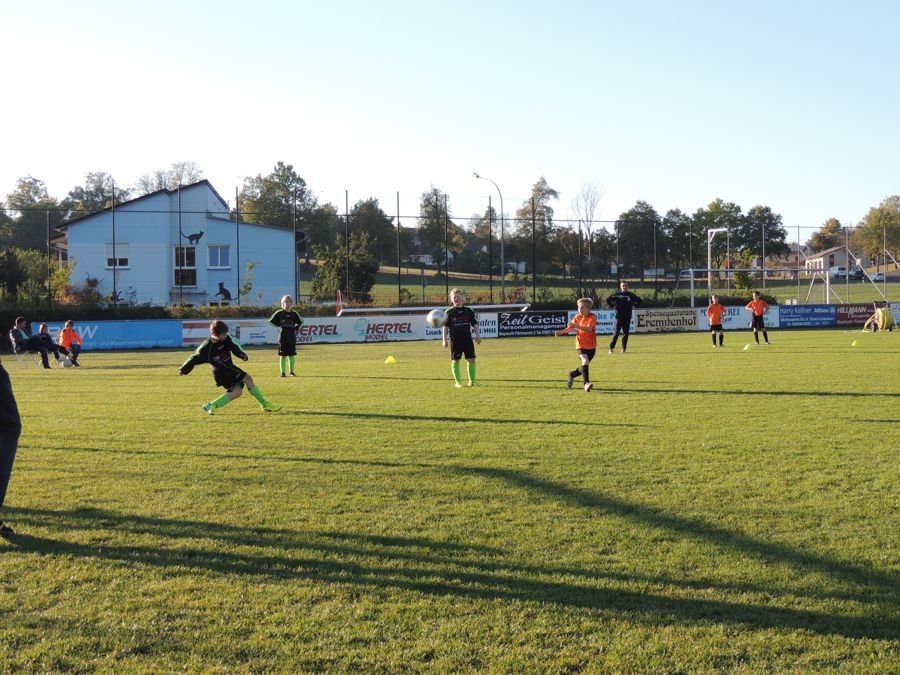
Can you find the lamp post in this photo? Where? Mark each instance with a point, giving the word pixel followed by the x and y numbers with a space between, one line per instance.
pixel 502 238
pixel 710 235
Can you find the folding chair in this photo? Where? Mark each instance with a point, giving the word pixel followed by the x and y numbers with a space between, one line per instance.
pixel 24 357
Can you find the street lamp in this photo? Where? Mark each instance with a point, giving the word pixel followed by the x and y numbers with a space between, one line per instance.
pixel 502 237
pixel 710 235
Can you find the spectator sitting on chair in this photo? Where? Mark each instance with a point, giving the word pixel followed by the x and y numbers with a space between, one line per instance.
pixel 23 341
pixel 45 337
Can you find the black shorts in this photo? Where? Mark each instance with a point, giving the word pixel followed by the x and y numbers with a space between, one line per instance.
pixel 757 322
pixel 461 347
pixel 287 348
pixel 589 353
pixel 230 378
pixel 715 327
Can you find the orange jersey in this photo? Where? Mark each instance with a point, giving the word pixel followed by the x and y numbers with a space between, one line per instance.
pixel 716 312
pixel 585 339
pixel 758 307
pixel 67 336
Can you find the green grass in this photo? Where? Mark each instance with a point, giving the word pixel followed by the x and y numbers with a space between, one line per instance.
pixel 701 510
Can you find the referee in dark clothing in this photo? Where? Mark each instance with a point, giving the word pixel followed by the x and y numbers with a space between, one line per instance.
pixel 623 301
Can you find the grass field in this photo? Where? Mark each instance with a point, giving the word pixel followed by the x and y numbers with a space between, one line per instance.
pixel 700 510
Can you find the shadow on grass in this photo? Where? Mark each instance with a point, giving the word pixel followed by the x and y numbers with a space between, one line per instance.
pixel 444 419
pixel 453 569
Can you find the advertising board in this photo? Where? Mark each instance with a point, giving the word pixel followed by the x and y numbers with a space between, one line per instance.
pixel 807 316
pixel 527 324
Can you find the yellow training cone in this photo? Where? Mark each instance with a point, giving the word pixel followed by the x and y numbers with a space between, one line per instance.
pixel 390 359
pixel 853 344
pixel 746 347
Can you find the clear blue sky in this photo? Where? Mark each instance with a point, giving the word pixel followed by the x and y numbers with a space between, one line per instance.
pixel 793 103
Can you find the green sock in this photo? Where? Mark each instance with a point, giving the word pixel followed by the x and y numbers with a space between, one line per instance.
pixel 258 395
pixel 454 366
pixel 291 362
pixel 282 362
pixel 220 402
pixel 470 369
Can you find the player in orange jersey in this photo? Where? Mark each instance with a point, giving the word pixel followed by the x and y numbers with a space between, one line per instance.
pixel 716 312
pixel 585 326
pixel 758 307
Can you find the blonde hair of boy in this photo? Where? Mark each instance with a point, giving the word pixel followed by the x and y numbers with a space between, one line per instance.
pixel 586 302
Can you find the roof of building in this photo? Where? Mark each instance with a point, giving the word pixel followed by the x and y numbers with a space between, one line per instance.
pixel 164 191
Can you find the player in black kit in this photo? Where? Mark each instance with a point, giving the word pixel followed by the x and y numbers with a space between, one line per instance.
pixel 623 302
pixel 457 333
pixel 288 322
pixel 217 351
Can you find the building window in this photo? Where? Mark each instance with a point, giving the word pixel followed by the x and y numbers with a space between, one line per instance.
pixel 120 259
pixel 185 266
pixel 219 256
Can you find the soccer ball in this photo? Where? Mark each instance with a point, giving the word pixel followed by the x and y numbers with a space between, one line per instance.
pixel 435 318
pixel 66 362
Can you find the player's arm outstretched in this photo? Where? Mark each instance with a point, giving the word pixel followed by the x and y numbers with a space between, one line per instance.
pixel 477 325
pixel 200 355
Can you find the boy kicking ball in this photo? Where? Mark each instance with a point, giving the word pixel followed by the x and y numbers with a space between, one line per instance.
pixel 585 326
pixel 217 351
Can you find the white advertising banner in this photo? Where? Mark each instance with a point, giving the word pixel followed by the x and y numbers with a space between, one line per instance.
pixel 666 320
pixel 378 328
pixel 606 320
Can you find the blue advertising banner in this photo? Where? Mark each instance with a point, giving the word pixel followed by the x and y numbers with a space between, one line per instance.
pixel 125 334
pixel 807 316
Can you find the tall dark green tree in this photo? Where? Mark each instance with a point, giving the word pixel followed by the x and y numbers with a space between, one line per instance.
pixel 676 229
pixel 535 216
pixel 94 195
pixel 331 275
pixel 639 227
pixel 436 229
pixel 760 230
pixel 719 214
pixel 323 227
pixel 32 209
pixel 270 199
pixel 366 215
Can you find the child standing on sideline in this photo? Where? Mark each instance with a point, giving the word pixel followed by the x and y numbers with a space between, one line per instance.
pixel 71 340
pixel 457 334
pixel 217 351
pixel 716 312
pixel 288 322
pixel 758 307
pixel 585 326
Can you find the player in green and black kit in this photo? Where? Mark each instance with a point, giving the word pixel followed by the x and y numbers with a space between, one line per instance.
pixel 457 333
pixel 217 351
pixel 288 322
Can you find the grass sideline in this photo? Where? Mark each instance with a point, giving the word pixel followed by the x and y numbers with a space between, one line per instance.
pixel 701 510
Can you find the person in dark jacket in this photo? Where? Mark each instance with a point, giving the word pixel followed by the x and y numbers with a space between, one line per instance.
pixel 10 430
pixel 624 302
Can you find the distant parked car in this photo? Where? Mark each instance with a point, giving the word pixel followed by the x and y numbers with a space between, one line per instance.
pixel 857 274
pixel 878 276
pixel 837 272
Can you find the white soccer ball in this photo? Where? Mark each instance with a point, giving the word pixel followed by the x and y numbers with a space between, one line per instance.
pixel 436 318
pixel 66 362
